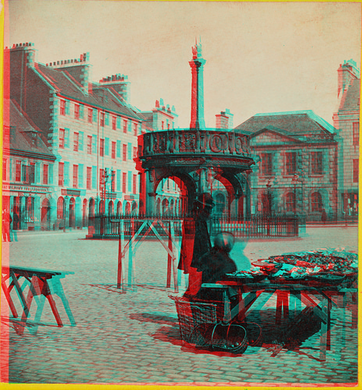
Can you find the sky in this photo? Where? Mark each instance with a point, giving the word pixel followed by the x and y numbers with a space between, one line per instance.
pixel 260 57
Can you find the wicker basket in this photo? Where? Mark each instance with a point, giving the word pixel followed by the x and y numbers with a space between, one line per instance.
pixel 194 317
pixel 199 325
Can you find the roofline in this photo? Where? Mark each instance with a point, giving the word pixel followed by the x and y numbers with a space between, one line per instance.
pixel 23 153
pixel 60 94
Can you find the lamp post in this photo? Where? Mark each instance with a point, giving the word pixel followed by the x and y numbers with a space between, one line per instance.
pixel 294 182
pixel 268 192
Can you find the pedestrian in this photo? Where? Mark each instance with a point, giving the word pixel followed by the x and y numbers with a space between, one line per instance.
pixel 6 218
pixel 13 231
pixel 195 241
pixel 15 220
pixel 324 216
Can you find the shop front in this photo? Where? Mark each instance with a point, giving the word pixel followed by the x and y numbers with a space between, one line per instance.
pixel 29 206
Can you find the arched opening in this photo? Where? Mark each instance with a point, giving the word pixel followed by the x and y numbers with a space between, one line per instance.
pixel 101 207
pixel 134 208
pixel 91 208
pixel 172 203
pixel 110 208
pixel 164 207
pixel 60 208
pixel 127 209
pixel 72 213
pixel 316 202
pixel 45 214
pixel 84 219
pixel 119 209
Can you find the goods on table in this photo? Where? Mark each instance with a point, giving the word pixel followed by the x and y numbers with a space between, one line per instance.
pixel 319 266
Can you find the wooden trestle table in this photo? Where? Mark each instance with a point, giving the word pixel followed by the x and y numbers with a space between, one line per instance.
pixel 39 288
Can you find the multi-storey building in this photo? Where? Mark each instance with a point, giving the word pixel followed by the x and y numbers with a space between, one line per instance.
pixel 89 127
pixel 346 121
pixel 171 194
pixel 297 171
pixel 28 171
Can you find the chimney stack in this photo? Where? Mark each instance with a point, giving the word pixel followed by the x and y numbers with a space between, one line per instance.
pixel 346 74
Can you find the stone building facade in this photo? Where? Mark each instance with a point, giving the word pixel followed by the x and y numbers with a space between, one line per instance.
pixel 297 168
pixel 89 127
pixel 27 171
pixel 346 121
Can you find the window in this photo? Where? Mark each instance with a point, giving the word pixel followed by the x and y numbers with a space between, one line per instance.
pixel 101 147
pixel 113 149
pixel 355 170
pixel 125 126
pixel 61 174
pixel 162 125
pixel 129 151
pixel 114 123
pixel 290 202
pixel 76 111
pixel 102 119
pixel 61 138
pixel 124 182
pixel 90 115
pixel 135 128
pixel 135 184
pixel 107 118
pixel 76 142
pixel 267 164
pixel 45 173
pixel 89 178
pixel 28 173
pixel 291 163
pixel 356 133
pixel 62 107
pixel 134 152
pixel 168 126
pixel 89 144
pixel 81 111
pixel 4 169
pixel 316 163
pixel 75 176
pixel 18 170
pixel 124 151
pixel 316 202
pixel 113 180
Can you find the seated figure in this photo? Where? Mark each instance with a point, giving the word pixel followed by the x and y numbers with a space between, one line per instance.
pixel 215 264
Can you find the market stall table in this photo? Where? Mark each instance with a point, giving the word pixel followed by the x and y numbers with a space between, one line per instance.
pixel 39 288
pixel 250 292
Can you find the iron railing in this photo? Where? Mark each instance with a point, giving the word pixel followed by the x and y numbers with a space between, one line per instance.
pixel 101 226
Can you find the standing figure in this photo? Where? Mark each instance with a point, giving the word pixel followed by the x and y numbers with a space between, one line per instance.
pixel 324 216
pixel 6 217
pixel 196 241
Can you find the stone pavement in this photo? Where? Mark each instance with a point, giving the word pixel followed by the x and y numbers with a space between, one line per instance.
pixel 133 337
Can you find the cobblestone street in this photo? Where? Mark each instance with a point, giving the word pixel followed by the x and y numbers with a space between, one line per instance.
pixel 133 337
